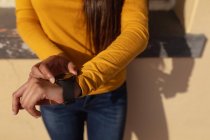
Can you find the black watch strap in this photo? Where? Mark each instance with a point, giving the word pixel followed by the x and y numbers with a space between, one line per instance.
pixel 67 82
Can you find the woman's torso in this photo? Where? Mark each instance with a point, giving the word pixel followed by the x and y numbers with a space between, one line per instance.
pixel 64 23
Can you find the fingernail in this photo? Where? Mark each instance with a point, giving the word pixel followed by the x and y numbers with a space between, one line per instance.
pixel 52 80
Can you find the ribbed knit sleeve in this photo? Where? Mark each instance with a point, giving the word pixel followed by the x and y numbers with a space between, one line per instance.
pixel 131 42
pixel 31 32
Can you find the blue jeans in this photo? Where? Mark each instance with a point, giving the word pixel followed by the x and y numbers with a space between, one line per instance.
pixel 104 114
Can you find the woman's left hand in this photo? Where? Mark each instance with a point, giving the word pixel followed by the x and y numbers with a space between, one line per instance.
pixel 34 92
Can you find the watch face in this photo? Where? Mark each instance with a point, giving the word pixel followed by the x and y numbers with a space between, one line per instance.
pixel 64 76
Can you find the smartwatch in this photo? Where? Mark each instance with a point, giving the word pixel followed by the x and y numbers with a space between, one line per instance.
pixel 67 81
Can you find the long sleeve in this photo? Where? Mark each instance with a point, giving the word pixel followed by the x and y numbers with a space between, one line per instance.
pixel 31 32
pixel 131 42
pixel 41 23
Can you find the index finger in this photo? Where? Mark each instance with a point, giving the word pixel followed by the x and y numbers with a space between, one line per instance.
pixel 47 73
pixel 16 99
pixel 35 72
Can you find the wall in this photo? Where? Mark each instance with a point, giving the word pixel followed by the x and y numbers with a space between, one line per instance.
pixel 7 3
pixel 23 127
pixel 168 97
pixel 186 10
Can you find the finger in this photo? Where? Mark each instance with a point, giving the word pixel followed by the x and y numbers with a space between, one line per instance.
pixel 33 111
pixel 46 72
pixel 43 102
pixel 46 102
pixel 30 101
pixel 29 93
pixel 33 97
pixel 16 98
pixel 36 73
pixel 72 68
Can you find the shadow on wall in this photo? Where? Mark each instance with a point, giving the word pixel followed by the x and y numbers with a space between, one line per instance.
pixel 179 9
pixel 147 85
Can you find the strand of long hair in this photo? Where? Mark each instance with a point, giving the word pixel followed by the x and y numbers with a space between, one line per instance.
pixel 103 22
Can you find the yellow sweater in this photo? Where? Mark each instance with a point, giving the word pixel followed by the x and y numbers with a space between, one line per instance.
pixel 51 27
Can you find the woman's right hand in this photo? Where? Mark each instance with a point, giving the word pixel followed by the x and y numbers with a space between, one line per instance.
pixel 52 66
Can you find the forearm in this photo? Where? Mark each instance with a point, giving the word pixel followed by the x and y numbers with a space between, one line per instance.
pixel 131 42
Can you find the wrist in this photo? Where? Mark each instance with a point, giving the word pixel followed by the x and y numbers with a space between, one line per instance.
pixel 70 89
pixel 55 94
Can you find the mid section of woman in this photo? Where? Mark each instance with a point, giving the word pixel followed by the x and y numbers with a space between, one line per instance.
pixel 92 39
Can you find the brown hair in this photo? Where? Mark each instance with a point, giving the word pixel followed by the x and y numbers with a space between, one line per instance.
pixel 103 20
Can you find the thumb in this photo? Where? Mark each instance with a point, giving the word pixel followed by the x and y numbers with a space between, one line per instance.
pixel 72 68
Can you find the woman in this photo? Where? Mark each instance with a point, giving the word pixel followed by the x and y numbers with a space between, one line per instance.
pixel 92 39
